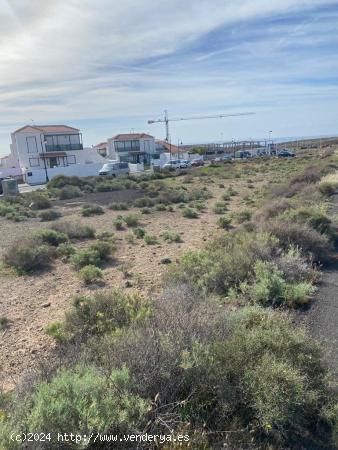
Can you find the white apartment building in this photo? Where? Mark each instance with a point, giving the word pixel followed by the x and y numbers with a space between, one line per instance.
pixel 44 151
pixel 135 148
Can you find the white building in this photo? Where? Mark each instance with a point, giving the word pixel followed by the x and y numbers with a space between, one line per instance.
pixel 133 148
pixel 44 151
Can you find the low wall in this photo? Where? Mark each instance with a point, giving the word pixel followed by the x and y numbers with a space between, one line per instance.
pixel 38 176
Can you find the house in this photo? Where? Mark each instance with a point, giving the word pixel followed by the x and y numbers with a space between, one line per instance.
pixel 102 149
pixel 44 151
pixel 133 148
pixel 171 151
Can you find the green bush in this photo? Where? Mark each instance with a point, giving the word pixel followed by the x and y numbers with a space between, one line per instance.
pixel 311 242
pixel 65 249
pixel 131 220
pixel 28 257
pixel 54 330
pixel 225 262
pixel 146 211
pixel 38 200
pixel 74 230
pixel 119 223
pixel 143 202
pixel 118 206
pixel 150 239
pixel 224 223
pixel 83 400
pixel 50 236
pixel 69 192
pixel 313 216
pixel 91 210
pixel 160 207
pixel 189 213
pixel 90 274
pixel 219 208
pixel 139 232
pixel 104 314
pixel 242 216
pixel 94 255
pixel 170 236
pixel 47 216
pixel 4 322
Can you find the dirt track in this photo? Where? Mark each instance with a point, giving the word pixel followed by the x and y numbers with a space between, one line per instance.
pixel 322 318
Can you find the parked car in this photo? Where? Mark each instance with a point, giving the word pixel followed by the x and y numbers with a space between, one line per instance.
pixel 184 164
pixel 285 154
pixel 197 162
pixel 114 169
pixel 241 154
pixel 172 164
pixel 226 157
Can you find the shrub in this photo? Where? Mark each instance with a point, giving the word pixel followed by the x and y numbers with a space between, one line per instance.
pixel 143 202
pixel 104 313
pixel 74 230
pixel 314 216
pixel 86 257
pixel 28 257
pixel 119 223
pixel 170 237
pixel 150 239
pixel 295 267
pixel 54 330
pixel 225 262
pixel 189 213
pixel 146 211
pixel 84 400
pixel 139 232
pixel 242 216
pixel 65 249
pixel 160 207
pixel 91 210
pixel 224 223
pixel 4 322
pixel 38 200
pixel 311 242
pixel 219 208
pixel 107 236
pixel 94 255
pixel 69 192
pixel 90 274
pixel 131 220
pixel 50 215
pixel 298 294
pixel 50 236
pixel 118 206
pixel 269 287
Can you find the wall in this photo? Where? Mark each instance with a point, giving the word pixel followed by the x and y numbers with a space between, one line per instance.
pixel 80 170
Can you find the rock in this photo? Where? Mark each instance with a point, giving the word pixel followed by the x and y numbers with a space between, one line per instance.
pixel 46 305
pixel 166 261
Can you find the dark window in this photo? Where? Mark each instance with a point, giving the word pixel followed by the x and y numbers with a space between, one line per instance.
pixel 34 162
pixel 71 159
pixel 53 162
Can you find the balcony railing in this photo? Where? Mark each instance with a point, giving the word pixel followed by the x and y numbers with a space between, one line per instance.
pixel 62 148
pixel 128 149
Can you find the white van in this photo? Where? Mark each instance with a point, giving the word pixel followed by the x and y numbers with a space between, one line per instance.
pixel 114 169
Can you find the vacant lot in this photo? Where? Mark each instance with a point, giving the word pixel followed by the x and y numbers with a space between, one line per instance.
pixel 30 302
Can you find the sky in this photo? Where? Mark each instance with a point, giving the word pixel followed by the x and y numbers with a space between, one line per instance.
pixel 107 67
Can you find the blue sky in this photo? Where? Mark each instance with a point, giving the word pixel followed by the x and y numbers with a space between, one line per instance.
pixel 107 66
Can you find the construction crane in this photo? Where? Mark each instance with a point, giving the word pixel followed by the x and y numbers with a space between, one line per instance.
pixel 166 119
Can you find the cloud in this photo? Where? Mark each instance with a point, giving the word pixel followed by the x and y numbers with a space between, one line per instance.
pixel 76 60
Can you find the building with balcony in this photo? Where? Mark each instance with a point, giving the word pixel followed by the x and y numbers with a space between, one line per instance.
pixel 43 151
pixel 136 148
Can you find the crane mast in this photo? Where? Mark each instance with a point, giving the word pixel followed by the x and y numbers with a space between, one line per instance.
pixel 166 119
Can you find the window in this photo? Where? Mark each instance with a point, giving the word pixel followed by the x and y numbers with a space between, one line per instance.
pixel 31 144
pixel 34 162
pixel 71 159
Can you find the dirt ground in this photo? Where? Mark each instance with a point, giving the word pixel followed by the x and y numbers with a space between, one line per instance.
pixel 31 302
